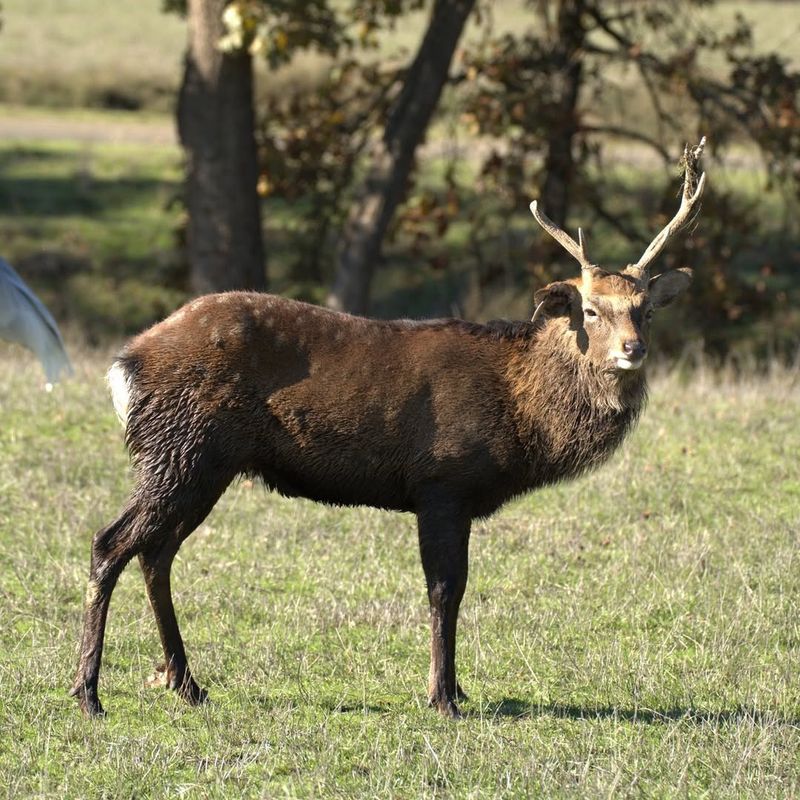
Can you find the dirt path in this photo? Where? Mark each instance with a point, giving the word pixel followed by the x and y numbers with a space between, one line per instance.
pixel 113 128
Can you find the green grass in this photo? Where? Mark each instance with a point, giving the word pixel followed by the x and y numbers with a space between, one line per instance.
pixel 93 228
pixel 87 52
pixel 634 633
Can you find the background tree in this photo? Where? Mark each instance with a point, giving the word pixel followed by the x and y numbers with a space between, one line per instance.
pixel 391 162
pixel 365 113
pixel 557 100
pixel 216 123
pixel 549 107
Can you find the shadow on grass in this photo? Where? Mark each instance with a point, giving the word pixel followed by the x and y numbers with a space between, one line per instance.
pixel 269 702
pixel 12 155
pixel 76 195
pixel 359 708
pixel 522 709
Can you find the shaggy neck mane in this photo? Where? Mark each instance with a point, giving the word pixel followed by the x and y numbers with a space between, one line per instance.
pixel 571 414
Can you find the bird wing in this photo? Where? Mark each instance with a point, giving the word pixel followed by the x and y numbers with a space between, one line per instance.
pixel 25 319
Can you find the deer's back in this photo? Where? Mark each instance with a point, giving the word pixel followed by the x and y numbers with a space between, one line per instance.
pixel 325 405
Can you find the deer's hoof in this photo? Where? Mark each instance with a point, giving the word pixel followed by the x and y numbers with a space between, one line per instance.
pixel 88 701
pixel 189 690
pixel 193 694
pixel 181 682
pixel 446 706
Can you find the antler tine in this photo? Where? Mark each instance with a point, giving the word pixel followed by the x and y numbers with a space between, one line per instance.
pixel 576 249
pixel 689 199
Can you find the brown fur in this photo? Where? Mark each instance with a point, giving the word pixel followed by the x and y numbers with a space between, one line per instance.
pixel 445 419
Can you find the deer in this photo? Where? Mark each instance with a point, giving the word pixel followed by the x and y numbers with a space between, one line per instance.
pixel 445 419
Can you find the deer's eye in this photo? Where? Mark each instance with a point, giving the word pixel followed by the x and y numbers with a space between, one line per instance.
pixel 589 312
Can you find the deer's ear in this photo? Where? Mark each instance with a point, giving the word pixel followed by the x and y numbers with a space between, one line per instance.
pixel 556 299
pixel 664 288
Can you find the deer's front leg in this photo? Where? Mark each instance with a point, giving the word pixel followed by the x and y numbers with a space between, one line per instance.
pixel 444 547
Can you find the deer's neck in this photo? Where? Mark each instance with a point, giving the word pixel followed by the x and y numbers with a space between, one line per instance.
pixel 571 415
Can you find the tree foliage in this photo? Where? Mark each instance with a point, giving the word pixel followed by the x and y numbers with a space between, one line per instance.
pixel 310 144
pixel 547 107
pixel 660 52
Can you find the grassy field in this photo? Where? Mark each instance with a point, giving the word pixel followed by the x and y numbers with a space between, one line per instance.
pixel 86 52
pixel 92 227
pixel 635 633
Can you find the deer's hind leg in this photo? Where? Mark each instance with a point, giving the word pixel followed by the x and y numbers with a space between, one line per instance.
pixel 152 526
pixel 112 548
pixel 156 564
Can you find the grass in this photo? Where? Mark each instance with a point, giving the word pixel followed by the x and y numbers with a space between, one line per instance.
pixel 93 228
pixel 633 633
pixel 86 52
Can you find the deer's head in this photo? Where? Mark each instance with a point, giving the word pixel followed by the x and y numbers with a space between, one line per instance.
pixel 610 312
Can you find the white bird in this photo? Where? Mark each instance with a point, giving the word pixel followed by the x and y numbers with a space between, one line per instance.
pixel 25 320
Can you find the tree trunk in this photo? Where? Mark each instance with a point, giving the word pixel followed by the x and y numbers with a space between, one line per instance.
pixel 387 177
pixel 216 123
pixel 559 164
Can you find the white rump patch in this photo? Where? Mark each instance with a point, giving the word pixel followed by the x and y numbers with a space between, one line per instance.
pixel 120 386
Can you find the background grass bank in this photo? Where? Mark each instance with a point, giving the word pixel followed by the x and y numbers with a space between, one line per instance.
pixel 89 53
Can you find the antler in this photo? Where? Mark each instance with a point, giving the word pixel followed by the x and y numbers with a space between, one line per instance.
pixel 692 190
pixel 576 249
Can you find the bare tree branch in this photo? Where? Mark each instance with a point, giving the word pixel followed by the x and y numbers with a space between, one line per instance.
pixel 625 133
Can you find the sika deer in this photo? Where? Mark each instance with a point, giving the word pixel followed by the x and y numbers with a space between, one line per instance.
pixel 444 419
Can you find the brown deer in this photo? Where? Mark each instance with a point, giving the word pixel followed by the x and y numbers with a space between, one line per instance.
pixel 444 419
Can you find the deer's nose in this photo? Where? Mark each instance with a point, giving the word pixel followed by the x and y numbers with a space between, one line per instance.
pixel 635 349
